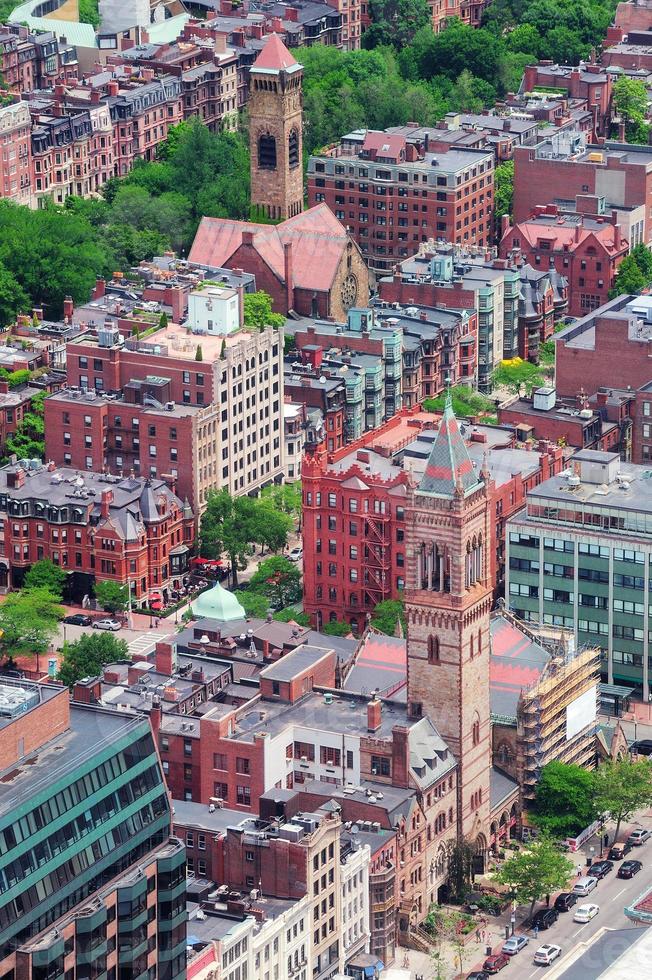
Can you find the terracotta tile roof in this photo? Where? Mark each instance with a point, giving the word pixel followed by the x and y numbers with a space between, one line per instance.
pixel 449 464
pixel 274 56
pixel 318 241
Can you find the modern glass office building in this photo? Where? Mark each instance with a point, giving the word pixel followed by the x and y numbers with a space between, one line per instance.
pixel 91 883
pixel 580 556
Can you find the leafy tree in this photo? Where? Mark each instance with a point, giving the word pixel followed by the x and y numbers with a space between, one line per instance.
pixel 622 787
pixel 536 872
pixel 198 353
pixel 629 278
pixel 226 527
pixel 271 527
pixel 459 867
pixel 336 629
pixel 503 192
pixel 89 13
pixel 643 257
pixel 450 926
pixel 87 656
pixel 285 497
pixel 466 402
pixel 163 321
pixel 278 579
pixel 516 373
pixel 630 100
pixel 387 615
pixel 564 802
pixel 28 440
pixel 258 311
pixel 111 596
pixel 28 621
pixel 44 574
pixel 13 298
pixel 395 22
pixel 255 604
pixel 292 616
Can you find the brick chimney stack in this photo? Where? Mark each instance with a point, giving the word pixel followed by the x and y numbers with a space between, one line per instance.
pixel 374 715
pixel 106 500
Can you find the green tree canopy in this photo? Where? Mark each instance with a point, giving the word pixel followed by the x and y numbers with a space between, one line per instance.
pixel 258 311
pixel 87 656
pixel 255 604
pixel 44 574
pixel 503 192
pixel 13 298
pixel 536 872
pixel 564 803
pixel 279 579
pixel 336 629
pixel 112 596
pixel 621 787
pixel 630 101
pixel 271 526
pixel 515 373
pixel 395 22
pixel 629 278
pixel 388 616
pixel 28 621
pixel 227 528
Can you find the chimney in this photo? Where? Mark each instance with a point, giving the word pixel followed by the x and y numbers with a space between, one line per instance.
pixel 177 302
pixel 219 46
pixel 374 715
pixel 68 308
pixel 247 237
pixel 165 658
pixel 100 289
pixel 289 275
pixel 4 387
pixel 113 87
pixel 617 237
pixel 241 295
pixel 106 500
pixel 578 231
pixel 622 135
pixel 155 716
pixel 504 225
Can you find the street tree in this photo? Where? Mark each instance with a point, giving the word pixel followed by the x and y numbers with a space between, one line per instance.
pixel 564 803
pixel 112 596
pixel 631 103
pixel 271 526
pixel 87 656
pixel 28 621
pixel 621 787
pixel 459 867
pixel 450 926
pixel 255 604
pixel 278 579
pixel 536 872
pixel 389 617
pixel 44 574
pixel 227 528
pixel 286 497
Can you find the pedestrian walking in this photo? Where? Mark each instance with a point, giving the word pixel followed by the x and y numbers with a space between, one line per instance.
pixel 579 870
pixel 536 932
pixel 478 936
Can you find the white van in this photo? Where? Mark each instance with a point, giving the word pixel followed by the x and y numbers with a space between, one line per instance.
pixel 584 885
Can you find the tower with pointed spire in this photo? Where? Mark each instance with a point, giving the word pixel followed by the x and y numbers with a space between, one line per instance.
pixel 276 131
pixel 447 605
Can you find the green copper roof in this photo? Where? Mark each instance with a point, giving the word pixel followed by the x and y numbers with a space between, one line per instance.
pixel 217 603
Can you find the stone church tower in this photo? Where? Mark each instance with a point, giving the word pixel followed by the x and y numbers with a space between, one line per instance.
pixel 448 600
pixel 275 131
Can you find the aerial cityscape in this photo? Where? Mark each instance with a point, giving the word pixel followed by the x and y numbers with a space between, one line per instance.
pixel 325 489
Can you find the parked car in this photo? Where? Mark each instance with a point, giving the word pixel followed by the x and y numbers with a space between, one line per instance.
pixel 478 975
pixel 584 913
pixel 495 963
pixel 107 624
pixel 565 901
pixel 619 849
pixel 600 869
pixel 638 837
pixel 514 945
pixel 545 918
pixel 585 885
pixel 547 954
pixel 78 619
pixel 629 868
pixel 296 554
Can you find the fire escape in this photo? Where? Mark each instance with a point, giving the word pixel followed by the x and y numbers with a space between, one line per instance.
pixel 377 584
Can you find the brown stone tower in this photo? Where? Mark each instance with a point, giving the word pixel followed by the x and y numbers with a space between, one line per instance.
pixel 275 131
pixel 448 601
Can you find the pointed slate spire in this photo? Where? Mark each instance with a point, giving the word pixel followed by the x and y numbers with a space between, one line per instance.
pixel 274 56
pixel 449 471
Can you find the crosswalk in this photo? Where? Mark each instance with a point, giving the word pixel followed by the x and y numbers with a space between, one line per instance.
pixel 144 643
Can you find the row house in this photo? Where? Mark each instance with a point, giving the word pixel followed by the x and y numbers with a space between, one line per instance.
pixel 16 172
pixel 33 61
pixel 394 192
pixel 94 526
pixel 210 91
pixel 60 151
pixel 142 115
pixel 587 81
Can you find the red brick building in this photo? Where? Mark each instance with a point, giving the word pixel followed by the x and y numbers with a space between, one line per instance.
pixel 585 249
pixel 95 528
pixel 395 191
pixel 561 169
pixel 16 167
pixel 589 82
pixel 354 530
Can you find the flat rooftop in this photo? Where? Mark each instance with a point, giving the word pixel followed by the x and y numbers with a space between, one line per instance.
pixel 632 493
pixel 295 663
pixel 91 729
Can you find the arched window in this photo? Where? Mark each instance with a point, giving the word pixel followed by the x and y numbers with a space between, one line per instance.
pixel 293 148
pixel 433 649
pixel 267 151
pixel 479 641
pixel 475 730
pixel 472 650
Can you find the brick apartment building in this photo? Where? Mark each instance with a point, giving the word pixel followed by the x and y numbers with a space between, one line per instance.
pixel 395 192
pixel 16 176
pixel 589 82
pixel 585 248
pixel 32 61
pixel 354 530
pixel 14 405
pixel 565 166
pixel 95 527
pixel 233 438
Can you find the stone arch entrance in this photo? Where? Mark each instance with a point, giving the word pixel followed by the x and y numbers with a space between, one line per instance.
pixel 479 854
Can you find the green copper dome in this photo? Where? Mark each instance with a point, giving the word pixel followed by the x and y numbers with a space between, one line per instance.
pixel 217 603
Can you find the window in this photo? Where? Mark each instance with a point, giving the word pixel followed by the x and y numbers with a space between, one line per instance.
pixel 433 649
pixel 329 756
pixel 243 795
pixel 293 148
pixel 219 760
pixel 380 766
pixel 267 151
pixel 242 766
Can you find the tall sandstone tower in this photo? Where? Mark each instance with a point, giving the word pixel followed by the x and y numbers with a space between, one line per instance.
pixel 448 602
pixel 276 131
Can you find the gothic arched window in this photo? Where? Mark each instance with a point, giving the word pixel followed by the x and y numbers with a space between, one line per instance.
pixel 433 649
pixel 293 148
pixel 267 151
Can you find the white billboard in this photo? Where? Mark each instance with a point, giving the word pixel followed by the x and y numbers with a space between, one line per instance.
pixel 581 712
